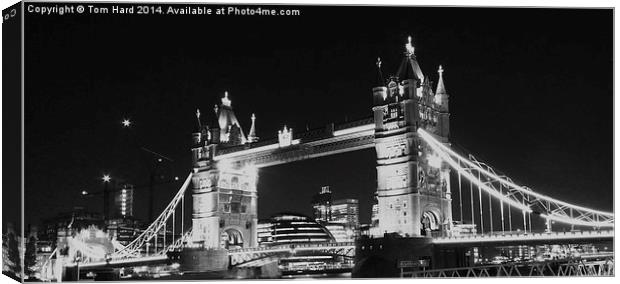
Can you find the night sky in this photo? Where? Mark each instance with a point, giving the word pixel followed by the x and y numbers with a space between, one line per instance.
pixel 530 92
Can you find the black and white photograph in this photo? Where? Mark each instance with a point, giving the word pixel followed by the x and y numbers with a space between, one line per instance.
pixel 170 141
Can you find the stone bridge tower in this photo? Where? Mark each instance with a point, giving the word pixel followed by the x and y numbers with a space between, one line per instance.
pixel 224 194
pixel 413 184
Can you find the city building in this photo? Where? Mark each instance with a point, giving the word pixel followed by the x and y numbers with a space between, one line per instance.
pixel 321 204
pixel 292 228
pixel 123 201
pixel 124 229
pixel 327 210
pixel 58 228
pixel 7 263
pixel 341 231
pixel 345 211
pixel 264 233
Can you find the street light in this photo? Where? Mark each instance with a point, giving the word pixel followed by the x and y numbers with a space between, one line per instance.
pixel 126 122
pixel 106 196
pixel 84 192
pixel 106 178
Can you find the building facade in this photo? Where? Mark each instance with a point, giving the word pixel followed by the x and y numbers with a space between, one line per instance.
pixel 321 205
pixel 224 194
pixel 345 211
pixel 291 229
pixel 123 201
pixel 413 184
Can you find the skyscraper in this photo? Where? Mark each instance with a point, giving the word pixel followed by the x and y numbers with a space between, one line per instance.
pixel 345 211
pixel 321 203
pixel 123 201
pixel 342 211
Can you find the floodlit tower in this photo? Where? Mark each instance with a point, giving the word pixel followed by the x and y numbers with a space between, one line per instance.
pixel 412 186
pixel 224 192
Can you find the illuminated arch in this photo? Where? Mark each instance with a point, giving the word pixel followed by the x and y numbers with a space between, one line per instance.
pixel 430 221
pixel 232 238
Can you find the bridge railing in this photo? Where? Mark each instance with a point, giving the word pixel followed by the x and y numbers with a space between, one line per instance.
pixel 293 247
pixel 527 236
pixel 521 269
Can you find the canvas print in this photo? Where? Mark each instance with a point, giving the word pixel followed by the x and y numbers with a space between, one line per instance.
pixel 170 141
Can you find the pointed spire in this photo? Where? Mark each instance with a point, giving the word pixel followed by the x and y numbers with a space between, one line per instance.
pixel 441 89
pixel 198 118
pixel 409 67
pixel 380 81
pixel 252 135
pixel 225 100
pixel 409 49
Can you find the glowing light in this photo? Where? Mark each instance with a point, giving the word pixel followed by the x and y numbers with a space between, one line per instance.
pixel 409 47
pixel 434 161
pixel 84 192
pixel 363 128
pixel 176 178
pixel 437 99
pixel 250 169
pixel 285 137
pixel 432 143
pixel 225 100
pixel 447 155
pixel 249 151
pixel 506 182
pixel 577 222
pixel 225 166
pixel 525 237
pixel 106 178
pixel 126 122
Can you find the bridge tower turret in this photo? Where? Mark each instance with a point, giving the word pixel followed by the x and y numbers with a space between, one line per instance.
pixel 442 102
pixel 224 192
pixel 412 183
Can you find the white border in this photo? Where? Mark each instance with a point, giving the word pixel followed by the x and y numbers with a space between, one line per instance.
pixel 470 3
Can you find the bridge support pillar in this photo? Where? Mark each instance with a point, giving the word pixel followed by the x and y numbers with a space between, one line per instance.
pixel 225 206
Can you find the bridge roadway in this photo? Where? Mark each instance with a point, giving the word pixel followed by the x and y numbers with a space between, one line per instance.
pixel 464 241
pixel 163 259
pixel 299 247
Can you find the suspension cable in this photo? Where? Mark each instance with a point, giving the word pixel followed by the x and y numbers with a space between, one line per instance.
pixel 429 139
pixel 173 223
pixel 524 220
pixel 480 203
pixel 501 209
pixel 471 195
pixel 559 211
pixel 490 215
pixel 460 196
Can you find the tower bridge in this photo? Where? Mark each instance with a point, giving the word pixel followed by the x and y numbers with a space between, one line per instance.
pixel 416 171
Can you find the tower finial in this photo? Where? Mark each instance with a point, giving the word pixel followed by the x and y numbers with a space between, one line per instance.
pixel 379 62
pixel 410 50
pixel 441 89
pixel 198 117
pixel 225 100
pixel 252 135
